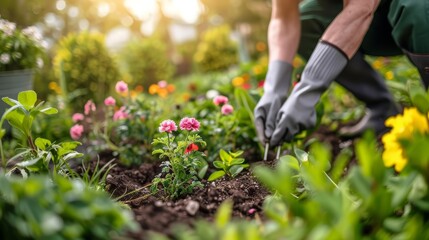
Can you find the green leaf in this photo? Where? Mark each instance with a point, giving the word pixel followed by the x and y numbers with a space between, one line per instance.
pixel 237 161
pixel 2 133
pixel 157 151
pixel 27 98
pixel 202 171
pixel 70 145
pixel 301 155
pixel 49 111
pixel 9 101
pixel 216 175
pixel 29 162
pixel 226 158
pixel 219 164
pixel 42 143
pixel 235 170
pixel 223 214
pixel 236 154
pixel 421 102
pixel 291 161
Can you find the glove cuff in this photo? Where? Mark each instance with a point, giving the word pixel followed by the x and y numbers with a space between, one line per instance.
pixel 325 64
pixel 279 77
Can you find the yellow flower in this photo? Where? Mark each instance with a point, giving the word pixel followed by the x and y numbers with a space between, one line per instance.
pixel 297 62
pixel 54 86
pixel 153 89
pixel 257 69
pixel 389 75
pixel 378 63
pixel 403 126
pixel 237 81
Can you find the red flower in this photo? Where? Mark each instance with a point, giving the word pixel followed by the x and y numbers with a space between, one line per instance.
pixel 261 83
pixel 191 147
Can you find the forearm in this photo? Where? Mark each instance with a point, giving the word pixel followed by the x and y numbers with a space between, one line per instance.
pixel 350 26
pixel 284 30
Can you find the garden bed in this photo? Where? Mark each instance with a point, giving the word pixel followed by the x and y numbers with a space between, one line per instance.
pixel 159 214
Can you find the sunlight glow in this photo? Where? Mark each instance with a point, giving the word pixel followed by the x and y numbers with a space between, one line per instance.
pixel 185 10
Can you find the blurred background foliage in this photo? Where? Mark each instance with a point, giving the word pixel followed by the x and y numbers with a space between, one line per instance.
pixel 172 30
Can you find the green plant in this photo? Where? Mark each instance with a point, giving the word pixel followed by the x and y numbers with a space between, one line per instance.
pixel 185 165
pixel 40 207
pixel 146 60
pixel 127 128
pixel 41 155
pixel 216 51
pixel 20 49
pixel 83 62
pixel 230 164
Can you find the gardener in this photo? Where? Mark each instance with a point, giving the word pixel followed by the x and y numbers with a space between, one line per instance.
pixel 334 36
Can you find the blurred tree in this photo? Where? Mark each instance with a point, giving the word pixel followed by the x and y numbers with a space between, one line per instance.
pixel 249 18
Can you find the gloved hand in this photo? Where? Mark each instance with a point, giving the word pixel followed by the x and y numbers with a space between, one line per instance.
pixel 276 90
pixel 298 112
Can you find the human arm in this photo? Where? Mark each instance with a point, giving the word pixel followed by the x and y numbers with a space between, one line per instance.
pixel 283 39
pixel 338 44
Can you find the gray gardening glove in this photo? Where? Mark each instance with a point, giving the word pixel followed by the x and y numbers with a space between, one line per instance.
pixel 298 112
pixel 276 90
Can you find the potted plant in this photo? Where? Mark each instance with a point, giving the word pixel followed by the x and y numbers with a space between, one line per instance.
pixel 21 52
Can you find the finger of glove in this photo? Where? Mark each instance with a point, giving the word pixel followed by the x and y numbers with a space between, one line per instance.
pixel 270 121
pixel 279 132
pixel 260 129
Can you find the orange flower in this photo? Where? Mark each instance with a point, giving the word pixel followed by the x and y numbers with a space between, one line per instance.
pixel 171 88
pixel 261 46
pixel 153 89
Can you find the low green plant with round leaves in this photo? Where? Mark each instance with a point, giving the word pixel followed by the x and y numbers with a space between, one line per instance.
pixel 185 165
pixel 230 164
pixel 40 207
pixel 41 155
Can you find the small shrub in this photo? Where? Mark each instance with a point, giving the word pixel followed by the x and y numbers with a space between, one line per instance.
pixel 84 62
pixel 43 208
pixel 146 60
pixel 216 51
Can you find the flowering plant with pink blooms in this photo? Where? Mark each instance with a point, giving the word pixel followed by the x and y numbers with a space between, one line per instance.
pixel 127 128
pixel 184 164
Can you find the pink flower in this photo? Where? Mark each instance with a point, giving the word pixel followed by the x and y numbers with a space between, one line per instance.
pixel 162 84
pixel 220 100
pixel 76 131
pixel 89 106
pixel 167 126
pixel 227 109
pixel 77 117
pixel 120 114
pixel 190 124
pixel 110 101
pixel 121 87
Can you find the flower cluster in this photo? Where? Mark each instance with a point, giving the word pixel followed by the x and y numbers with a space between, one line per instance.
pixel 162 89
pixel 403 127
pixel 20 49
pixel 226 108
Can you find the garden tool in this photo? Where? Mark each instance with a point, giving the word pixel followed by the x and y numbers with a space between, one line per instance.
pixel 421 61
pixel 267 148
pixel 298 112
pixel 276 90
pixel 368 86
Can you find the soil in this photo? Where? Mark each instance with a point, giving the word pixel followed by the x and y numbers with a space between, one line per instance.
pixel 158 214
